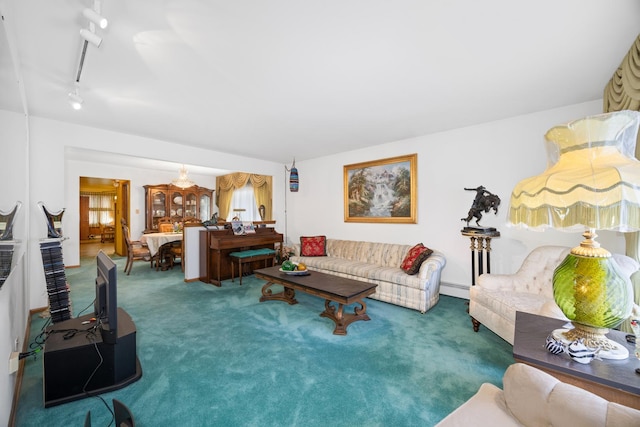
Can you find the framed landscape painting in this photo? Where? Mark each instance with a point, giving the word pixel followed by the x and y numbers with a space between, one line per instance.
pixel 381 190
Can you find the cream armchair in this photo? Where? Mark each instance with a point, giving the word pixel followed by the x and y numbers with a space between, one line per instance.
pixel 495 298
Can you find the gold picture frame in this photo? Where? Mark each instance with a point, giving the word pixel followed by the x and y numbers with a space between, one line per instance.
pixel 383 191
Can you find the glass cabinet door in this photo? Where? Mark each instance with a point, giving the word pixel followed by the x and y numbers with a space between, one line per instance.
pixel 191 206
pixel 205 207
pixel 158 206
pixel 177 204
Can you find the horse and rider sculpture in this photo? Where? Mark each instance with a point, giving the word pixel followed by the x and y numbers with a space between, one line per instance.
pixel 484 202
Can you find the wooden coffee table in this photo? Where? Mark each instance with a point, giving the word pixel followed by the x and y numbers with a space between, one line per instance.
pixel 334 289
pixel 614 380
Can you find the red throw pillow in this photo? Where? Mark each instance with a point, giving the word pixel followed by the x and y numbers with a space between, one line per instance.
pixel 313 246
pixel 414 258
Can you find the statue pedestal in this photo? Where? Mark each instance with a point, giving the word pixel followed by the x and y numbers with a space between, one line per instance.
pixel 480 245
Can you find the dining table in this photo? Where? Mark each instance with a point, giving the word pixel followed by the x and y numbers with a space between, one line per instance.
pixel 155 240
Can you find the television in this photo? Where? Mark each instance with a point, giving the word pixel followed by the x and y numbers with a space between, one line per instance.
pixel 106 302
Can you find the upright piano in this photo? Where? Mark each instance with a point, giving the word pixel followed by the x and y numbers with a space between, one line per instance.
pixel 216 245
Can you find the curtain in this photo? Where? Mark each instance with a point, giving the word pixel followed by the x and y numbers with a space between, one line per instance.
pixel 244 198
pixel 228 184
pixel 101 208
pixel 623 93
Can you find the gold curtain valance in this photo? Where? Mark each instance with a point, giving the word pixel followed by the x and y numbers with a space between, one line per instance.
pixel 239 180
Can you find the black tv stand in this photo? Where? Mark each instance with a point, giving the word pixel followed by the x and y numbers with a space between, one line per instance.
pixel 69 363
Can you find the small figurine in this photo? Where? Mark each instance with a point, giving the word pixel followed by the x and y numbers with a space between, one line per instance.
pixel 484 202
pixel 581 353
pixel 554 346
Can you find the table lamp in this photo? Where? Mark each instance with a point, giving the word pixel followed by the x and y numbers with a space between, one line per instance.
pixel 592 182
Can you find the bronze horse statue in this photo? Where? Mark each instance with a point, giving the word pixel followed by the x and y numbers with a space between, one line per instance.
pixel 484 202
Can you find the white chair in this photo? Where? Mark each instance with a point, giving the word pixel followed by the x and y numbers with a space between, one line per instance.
pixel 495 298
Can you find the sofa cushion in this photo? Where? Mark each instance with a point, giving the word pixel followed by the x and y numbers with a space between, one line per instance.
pixel 416 255
pixel 313 245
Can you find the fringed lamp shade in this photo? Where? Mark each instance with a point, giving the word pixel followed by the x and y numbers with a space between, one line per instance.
pixel 592 181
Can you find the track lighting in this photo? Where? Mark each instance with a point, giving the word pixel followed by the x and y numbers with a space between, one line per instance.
pixel 94 17
pixel 75 100
pixel 91 37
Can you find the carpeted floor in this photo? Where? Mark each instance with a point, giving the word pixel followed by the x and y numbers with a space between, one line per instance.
pixel 217 356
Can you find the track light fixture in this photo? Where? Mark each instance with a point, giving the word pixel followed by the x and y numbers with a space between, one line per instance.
pixel 92 38
pixel 94 17
pixel 75 100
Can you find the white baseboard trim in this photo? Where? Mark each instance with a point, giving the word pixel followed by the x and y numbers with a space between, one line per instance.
pixel 454 290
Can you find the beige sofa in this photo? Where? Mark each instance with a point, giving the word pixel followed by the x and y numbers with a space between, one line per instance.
pixel 379 263
pixel 534 398
pixel 495 298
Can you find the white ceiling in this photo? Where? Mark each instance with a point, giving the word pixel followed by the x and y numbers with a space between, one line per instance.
pixel 273 79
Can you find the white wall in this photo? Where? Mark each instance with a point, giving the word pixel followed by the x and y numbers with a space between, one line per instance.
pixel 14 308
pixel 496 155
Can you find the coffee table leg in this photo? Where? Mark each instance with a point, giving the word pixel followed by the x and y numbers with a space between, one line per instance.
pixel 341 319
pixel 287 295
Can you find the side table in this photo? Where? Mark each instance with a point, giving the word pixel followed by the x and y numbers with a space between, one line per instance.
pixel 613 380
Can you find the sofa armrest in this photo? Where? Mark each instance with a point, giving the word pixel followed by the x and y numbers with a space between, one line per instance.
pixel 296 249
pixel 487 405
pixel 432 265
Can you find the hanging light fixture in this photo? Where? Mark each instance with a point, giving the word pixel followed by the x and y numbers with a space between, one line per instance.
pixel 183 180
pixel 294 180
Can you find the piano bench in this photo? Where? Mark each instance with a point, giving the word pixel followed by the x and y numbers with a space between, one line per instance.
pixel 248 256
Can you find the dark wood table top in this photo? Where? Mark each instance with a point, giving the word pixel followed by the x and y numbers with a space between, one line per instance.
pixel 531 332
pixel 339 287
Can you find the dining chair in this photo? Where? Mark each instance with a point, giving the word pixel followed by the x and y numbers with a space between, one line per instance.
pixel 165 225
pixel 135 251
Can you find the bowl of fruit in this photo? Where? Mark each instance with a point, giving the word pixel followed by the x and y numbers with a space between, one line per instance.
pixel 294 269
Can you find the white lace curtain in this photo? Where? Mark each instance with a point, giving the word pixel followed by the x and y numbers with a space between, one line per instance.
pixel 101 208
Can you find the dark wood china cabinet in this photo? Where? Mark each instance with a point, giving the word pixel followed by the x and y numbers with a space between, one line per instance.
pixel 177 203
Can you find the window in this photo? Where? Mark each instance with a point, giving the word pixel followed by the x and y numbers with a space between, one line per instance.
pixel 101 208
pixel 244 198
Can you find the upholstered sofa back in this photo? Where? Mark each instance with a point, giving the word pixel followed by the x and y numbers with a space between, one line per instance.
pixel 383 254
pixel 532 397
pixel 536 398
pixel 537 269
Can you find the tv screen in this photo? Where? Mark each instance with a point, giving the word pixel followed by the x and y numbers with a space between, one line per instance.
pixel 106 304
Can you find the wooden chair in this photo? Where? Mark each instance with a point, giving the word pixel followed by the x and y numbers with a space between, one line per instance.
pixel 136 251
pixel 165 225
pixel 177 248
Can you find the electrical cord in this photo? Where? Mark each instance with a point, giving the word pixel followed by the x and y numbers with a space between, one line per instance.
pixel 91 337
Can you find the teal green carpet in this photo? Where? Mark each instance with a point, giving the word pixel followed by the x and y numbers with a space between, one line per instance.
pixel 218 357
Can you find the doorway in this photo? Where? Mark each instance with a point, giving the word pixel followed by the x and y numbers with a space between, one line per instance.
pixel 103 203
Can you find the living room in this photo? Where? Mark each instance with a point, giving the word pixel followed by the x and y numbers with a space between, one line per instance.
pixel 47 156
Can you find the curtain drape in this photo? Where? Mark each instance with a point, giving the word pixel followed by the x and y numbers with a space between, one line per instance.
pixel 101 208
pixel 623 93
pixel 226 184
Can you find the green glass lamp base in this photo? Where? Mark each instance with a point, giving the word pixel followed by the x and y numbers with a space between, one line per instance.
pixel 592 338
